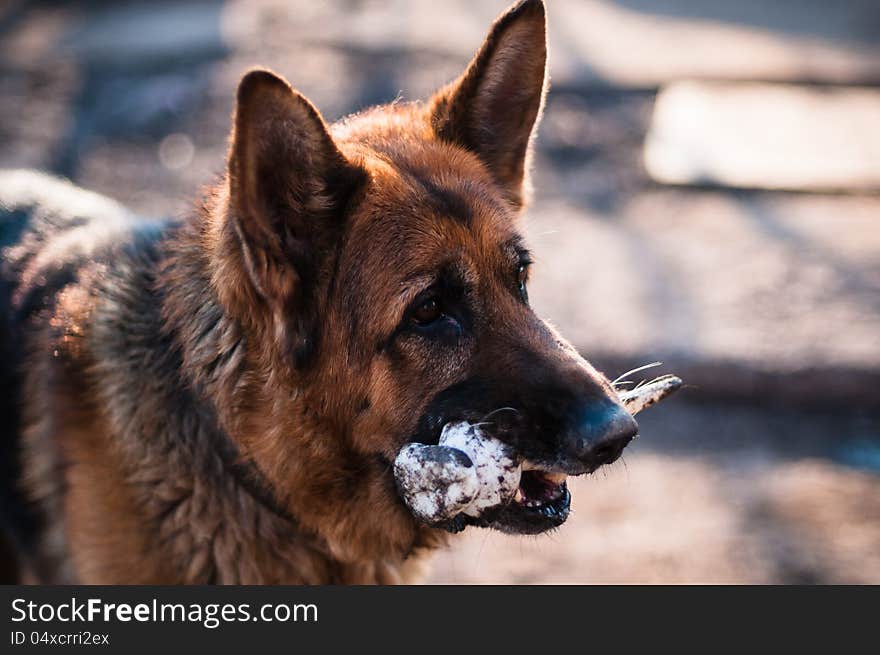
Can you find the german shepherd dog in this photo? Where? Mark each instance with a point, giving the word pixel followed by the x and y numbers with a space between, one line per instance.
pixel 219 399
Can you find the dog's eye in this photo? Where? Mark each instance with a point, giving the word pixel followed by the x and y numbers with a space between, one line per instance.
pixel 522 276
pixel 427 312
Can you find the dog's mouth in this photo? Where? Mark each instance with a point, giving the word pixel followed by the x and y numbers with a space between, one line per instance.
pixel 530 496
pixel 499 474
pixel 539 489
pixel 540 503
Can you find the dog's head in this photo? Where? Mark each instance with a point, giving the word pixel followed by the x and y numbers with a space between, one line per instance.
pixel 386 252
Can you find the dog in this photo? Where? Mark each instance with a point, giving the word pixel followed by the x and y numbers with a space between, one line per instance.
pixel 219 399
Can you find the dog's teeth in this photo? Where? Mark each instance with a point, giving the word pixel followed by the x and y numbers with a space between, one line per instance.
pixel 556 478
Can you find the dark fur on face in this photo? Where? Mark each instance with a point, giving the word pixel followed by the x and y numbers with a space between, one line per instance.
pixel 220 400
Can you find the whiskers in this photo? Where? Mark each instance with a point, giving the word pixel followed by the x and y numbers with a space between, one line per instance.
pixel 620 382
pixel 485 420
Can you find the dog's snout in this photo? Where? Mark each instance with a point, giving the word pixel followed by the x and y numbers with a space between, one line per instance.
pixel 601 433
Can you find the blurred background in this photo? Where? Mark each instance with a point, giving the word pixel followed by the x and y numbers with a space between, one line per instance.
pixel 706 179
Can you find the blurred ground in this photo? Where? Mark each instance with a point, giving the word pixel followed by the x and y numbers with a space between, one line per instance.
pixel 768 303
pixel 709 494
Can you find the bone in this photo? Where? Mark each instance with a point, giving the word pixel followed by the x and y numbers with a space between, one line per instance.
pixel 497 467
pixel 436 482
pixel 469 471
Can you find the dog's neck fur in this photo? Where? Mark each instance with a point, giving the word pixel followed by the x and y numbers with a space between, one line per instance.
pixel 219 422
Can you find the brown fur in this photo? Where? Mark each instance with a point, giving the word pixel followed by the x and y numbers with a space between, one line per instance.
pixel 220 400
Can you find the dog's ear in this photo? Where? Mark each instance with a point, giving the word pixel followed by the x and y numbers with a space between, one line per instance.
pixel 493 107
pixel 288 185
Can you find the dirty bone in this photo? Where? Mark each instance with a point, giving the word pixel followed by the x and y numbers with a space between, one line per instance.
pixel 468 471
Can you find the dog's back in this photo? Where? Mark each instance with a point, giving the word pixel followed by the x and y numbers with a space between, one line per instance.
pixel 49 229
pixel 15 522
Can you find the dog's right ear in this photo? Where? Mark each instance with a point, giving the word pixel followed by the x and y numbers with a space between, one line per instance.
pixel 288 186
pixel 493 107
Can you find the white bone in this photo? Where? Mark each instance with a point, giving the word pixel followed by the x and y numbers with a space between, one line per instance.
pixel 436 482
pixel 497 466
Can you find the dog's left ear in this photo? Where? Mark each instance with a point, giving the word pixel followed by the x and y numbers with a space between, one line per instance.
pixel 288 186
pixel 493 107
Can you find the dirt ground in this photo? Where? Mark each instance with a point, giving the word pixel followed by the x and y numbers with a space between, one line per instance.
pixel 766 469
pixel 707 494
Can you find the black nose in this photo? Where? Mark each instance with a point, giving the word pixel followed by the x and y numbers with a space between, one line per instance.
pixel 601 433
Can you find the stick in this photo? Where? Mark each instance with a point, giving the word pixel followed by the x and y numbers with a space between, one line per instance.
pixel 651 393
